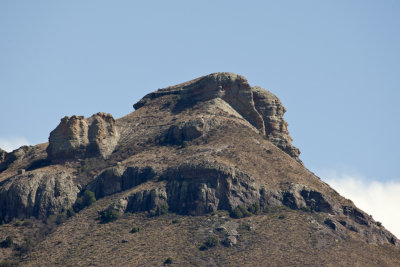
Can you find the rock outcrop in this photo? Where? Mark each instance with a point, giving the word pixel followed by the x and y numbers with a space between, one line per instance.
pixel 272 111
pixel 117 179
pixel 184 131
pixel 2 155
pixel 13 157
pixel 77 137
pixel 37 194
pixel 259 107
pixel 198 189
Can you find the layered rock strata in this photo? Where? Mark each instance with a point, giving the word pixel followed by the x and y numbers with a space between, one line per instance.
pixel 77 137
pixel 37 194
pixel 259 107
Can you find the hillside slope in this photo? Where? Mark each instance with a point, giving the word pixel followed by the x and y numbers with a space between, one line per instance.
pixel 209 159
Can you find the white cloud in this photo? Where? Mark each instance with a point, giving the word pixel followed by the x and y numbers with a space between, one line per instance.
pixel 9 144
pixel 380 199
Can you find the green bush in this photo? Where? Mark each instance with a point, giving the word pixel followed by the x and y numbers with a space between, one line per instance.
pixel 107 216
pixel 86 199
pixel 8 242
pixel 254 208
pixel 175 221
pixel 135 230
pixel 159 210
pixel 239 212
pixel 185 144
pixel 27 246
pixel 27 223
pixel 211 241
pixel 5 263
pixel 168 261
pixel 281 217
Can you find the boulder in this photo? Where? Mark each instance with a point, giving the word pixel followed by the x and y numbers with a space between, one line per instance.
pixel 76 137
pixel 184 131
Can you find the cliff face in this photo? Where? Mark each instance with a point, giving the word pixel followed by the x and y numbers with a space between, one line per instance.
pixel 259 107
pixel 208 145
pixel 77 137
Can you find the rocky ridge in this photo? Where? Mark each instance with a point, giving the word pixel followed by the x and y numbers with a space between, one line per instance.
pixel 214 143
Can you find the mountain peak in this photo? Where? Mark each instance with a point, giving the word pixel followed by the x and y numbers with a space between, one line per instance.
pixel 259 107
pixel 215 148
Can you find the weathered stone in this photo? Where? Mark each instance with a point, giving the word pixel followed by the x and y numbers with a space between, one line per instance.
pixel 38 194
pixel 69 139
pixel 199 189
pixel 117 179
pixel 154 200
pixel 14 157
pixel 107 183
pixel 76 137
pixel 258 106
pixel 272 111
pixel 230 241
pixel 330 223
pixel 301 197
pixel 103 135
pixel 119 206
pixel 357 215
pixel 229 228
pixel 184 131
pixel 2 155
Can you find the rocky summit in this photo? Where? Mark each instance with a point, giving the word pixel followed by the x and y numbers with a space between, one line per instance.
pixel 203 173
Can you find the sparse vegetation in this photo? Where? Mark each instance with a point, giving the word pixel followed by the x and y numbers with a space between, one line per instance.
pixel 8 242
pixel 110 215
pixel 86 199
pixel 27 223
pixel 175 221
pixel 379 224
pixel 185 144
pixel 26 246
pixel 281 217
pixel 135 230
pixel 241 211
pixel 5 263
pixel 211 241
pixel 159 210
pixel 168 261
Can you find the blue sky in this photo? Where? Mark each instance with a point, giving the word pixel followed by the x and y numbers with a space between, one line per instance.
pixel 334 64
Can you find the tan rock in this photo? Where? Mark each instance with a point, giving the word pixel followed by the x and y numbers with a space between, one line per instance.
pixel 38 194
pixel 76 137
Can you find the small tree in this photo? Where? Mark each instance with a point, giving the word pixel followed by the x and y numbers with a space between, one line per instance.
pixel 8 242
pixel 110 215
pixel 86 199
pixel 211 241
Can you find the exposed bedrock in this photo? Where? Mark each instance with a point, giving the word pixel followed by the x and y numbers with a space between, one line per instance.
pixel 197 189
pixel 2 155
pixel 258 106
pixel 13 157
pixel 77 137
pixel 184 131
pixel 37 194
pixel 276 128
pixel 117 179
